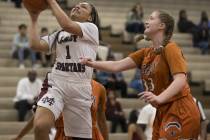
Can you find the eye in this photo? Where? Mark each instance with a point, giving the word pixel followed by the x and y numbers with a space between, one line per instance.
pixel 151 18
pixel 83 6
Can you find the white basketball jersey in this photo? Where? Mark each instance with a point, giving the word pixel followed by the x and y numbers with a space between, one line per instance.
pixel 69 49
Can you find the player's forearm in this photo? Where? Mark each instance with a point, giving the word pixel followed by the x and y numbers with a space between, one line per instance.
pixel 104 130
pixel 33 36
pixel 174 88
pixel 109 66
pixel 26 129
pixel 102 125
pixel 63 20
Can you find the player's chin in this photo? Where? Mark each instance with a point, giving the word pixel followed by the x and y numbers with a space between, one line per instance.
pixel 146 31
pixel 75 16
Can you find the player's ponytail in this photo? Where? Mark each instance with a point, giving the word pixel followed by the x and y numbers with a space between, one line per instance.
pixel 168 20
pixel 94 16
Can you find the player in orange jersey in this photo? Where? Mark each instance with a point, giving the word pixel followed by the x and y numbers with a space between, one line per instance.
pixel 164 73
pixel 97 110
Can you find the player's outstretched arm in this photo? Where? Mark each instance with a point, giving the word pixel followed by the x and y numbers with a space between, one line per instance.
pixel 173 89
pixel 25 130
pixel 101 117
pixel 64 21
pixel 110 66
pixel 34 38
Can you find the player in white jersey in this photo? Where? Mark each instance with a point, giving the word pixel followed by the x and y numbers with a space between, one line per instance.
pixel 70 82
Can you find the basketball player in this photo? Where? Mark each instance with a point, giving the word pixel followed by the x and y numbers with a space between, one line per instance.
pixel 70 91
pixel 97 110
pixel 98 115
pixel 164 71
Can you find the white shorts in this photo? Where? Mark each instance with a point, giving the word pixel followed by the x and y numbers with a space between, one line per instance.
pixel 73 99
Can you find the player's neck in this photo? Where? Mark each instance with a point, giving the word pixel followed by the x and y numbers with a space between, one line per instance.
pixel 157 40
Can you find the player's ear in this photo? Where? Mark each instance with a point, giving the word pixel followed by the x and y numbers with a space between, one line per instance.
pixel 162 26
pixel 90 19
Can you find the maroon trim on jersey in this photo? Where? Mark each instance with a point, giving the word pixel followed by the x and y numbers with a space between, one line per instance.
pixel 44 90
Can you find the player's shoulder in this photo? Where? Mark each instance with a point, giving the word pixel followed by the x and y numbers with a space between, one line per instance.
pixel 172 46
pixel 143 50
pixel 88 25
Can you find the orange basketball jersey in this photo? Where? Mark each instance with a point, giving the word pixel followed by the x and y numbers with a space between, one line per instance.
pixel 99 99
pixel 157 69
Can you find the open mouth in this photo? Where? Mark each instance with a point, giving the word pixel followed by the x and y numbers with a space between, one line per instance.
pixel 75 10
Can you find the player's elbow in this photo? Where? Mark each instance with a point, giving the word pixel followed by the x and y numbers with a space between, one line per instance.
pixel 117 67
pixel 66 27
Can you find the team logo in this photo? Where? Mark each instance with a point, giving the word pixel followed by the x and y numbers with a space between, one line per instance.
pixel 172 129
pixel 48 100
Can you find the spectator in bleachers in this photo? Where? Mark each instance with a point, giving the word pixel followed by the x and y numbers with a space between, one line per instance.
pixel 114 113
pixel 145 120
pixel 134 132
pixel 20 48
pixel 113 81
pixel 28 89
pixel 17 3
pixel 204 37
pixel 46 59
pixel 136 82
pixel 204 18
pixel 134 22
pixel 187 26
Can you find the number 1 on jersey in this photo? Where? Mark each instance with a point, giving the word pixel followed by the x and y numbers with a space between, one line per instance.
pixel 67 52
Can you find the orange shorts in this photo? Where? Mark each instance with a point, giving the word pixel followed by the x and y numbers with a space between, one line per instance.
pixel 60 135
pixel 179 119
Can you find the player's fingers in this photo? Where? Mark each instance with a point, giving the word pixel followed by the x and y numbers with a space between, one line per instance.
pixel 142 97
pixel 140 94
pixel 84 60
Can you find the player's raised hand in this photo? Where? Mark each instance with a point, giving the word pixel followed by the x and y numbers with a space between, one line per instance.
pixel 33 13
pixel 51 2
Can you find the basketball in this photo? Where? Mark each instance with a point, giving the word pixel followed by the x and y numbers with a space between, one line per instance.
pixel 35 5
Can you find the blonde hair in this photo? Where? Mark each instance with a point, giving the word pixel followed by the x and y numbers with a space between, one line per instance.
pixel 168 20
